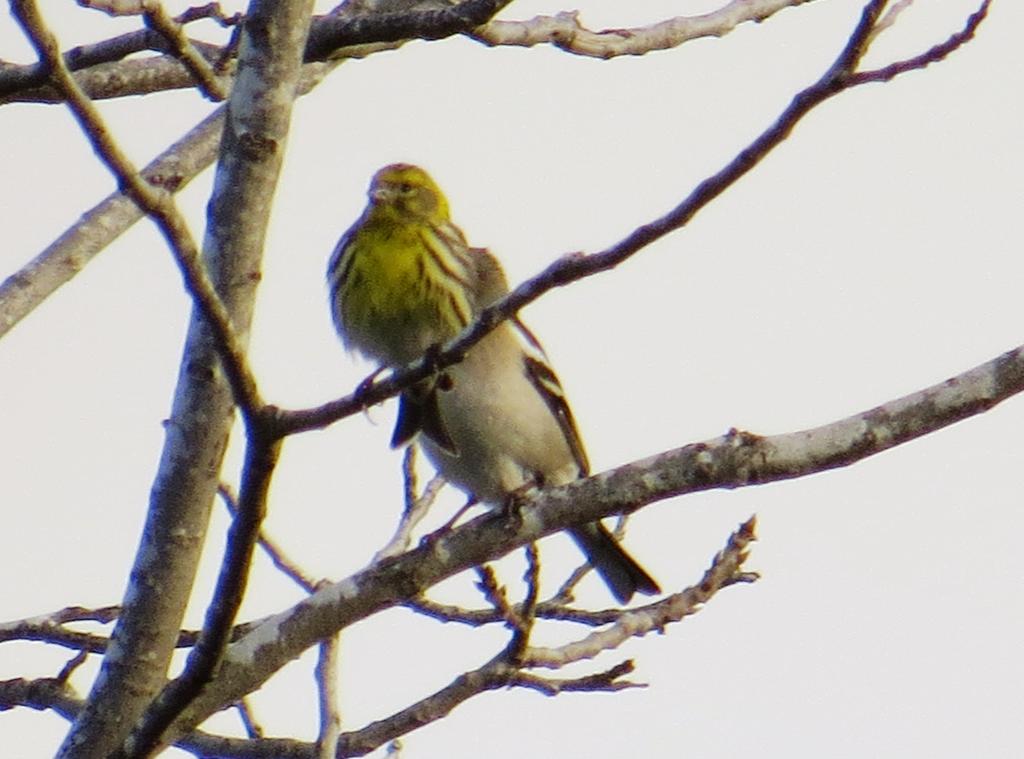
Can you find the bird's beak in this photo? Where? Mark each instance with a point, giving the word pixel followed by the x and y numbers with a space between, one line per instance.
pixel 381 195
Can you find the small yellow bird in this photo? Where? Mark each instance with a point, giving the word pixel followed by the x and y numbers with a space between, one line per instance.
pixel 403 280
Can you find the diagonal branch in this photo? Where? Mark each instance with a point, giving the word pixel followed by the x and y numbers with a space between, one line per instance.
pixel 32 83
pixel 499 672
pixel 734 460
pixel 156 202
pixel 206 78
pixel 840 77
pixel 172 170
pixel 99 226
pixel 932 55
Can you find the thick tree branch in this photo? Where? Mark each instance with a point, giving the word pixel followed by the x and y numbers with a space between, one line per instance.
pixel 136 661
pixel 251 154
pixel 261 457
pixel 734 460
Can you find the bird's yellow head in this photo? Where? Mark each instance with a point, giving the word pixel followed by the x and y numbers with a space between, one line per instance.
pixel 408 193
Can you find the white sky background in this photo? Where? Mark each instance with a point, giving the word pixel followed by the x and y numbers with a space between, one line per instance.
pixel 876 252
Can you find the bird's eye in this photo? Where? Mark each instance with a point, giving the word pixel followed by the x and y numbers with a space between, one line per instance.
pixel 405 188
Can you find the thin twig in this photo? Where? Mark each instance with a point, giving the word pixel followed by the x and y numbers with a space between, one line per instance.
pixel 416 507
pixel 553 609
pixel 608 680
pixel 934 54
pixel 252 728
pixel 206 78
pixel 726 569
pixel 522 619
pixel 74 663
pixel 327 692
pixel 277 555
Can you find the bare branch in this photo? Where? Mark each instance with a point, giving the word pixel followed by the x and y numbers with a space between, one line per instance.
pixel 50 628
pixel 333 32
pixel 554 609
pixel 933 55
pixel 44 693
pixel 277 555
pixel 564 30
pixel 251 157
pixel 734 460
pixel 31 83
pixel 50 693
pixel 353 35
pixel 43 630
pixel 134 670
pixel 493 675
pixel 327 690
pixel 416 507
pixel 68 254
pixel 726 569
pixel 839 77
pixel 252 728
pixel 146 76
pixel 600 681
pixel 206 78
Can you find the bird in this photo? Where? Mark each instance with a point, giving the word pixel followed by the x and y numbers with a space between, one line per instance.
pixel 402 281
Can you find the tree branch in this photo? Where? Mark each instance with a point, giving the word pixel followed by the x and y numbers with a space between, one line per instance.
pixel 726 569
pixel 734 460
pixel 565 31
pixel 838 78
pixel 329 736
pixel 252 154
pixel 173 169
pixel 345 34
pixel 336 31
pixel 212 86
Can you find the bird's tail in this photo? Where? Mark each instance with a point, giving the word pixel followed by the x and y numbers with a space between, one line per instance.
pixel 618 569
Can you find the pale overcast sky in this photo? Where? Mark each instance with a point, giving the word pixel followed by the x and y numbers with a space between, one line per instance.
pixel 878 251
